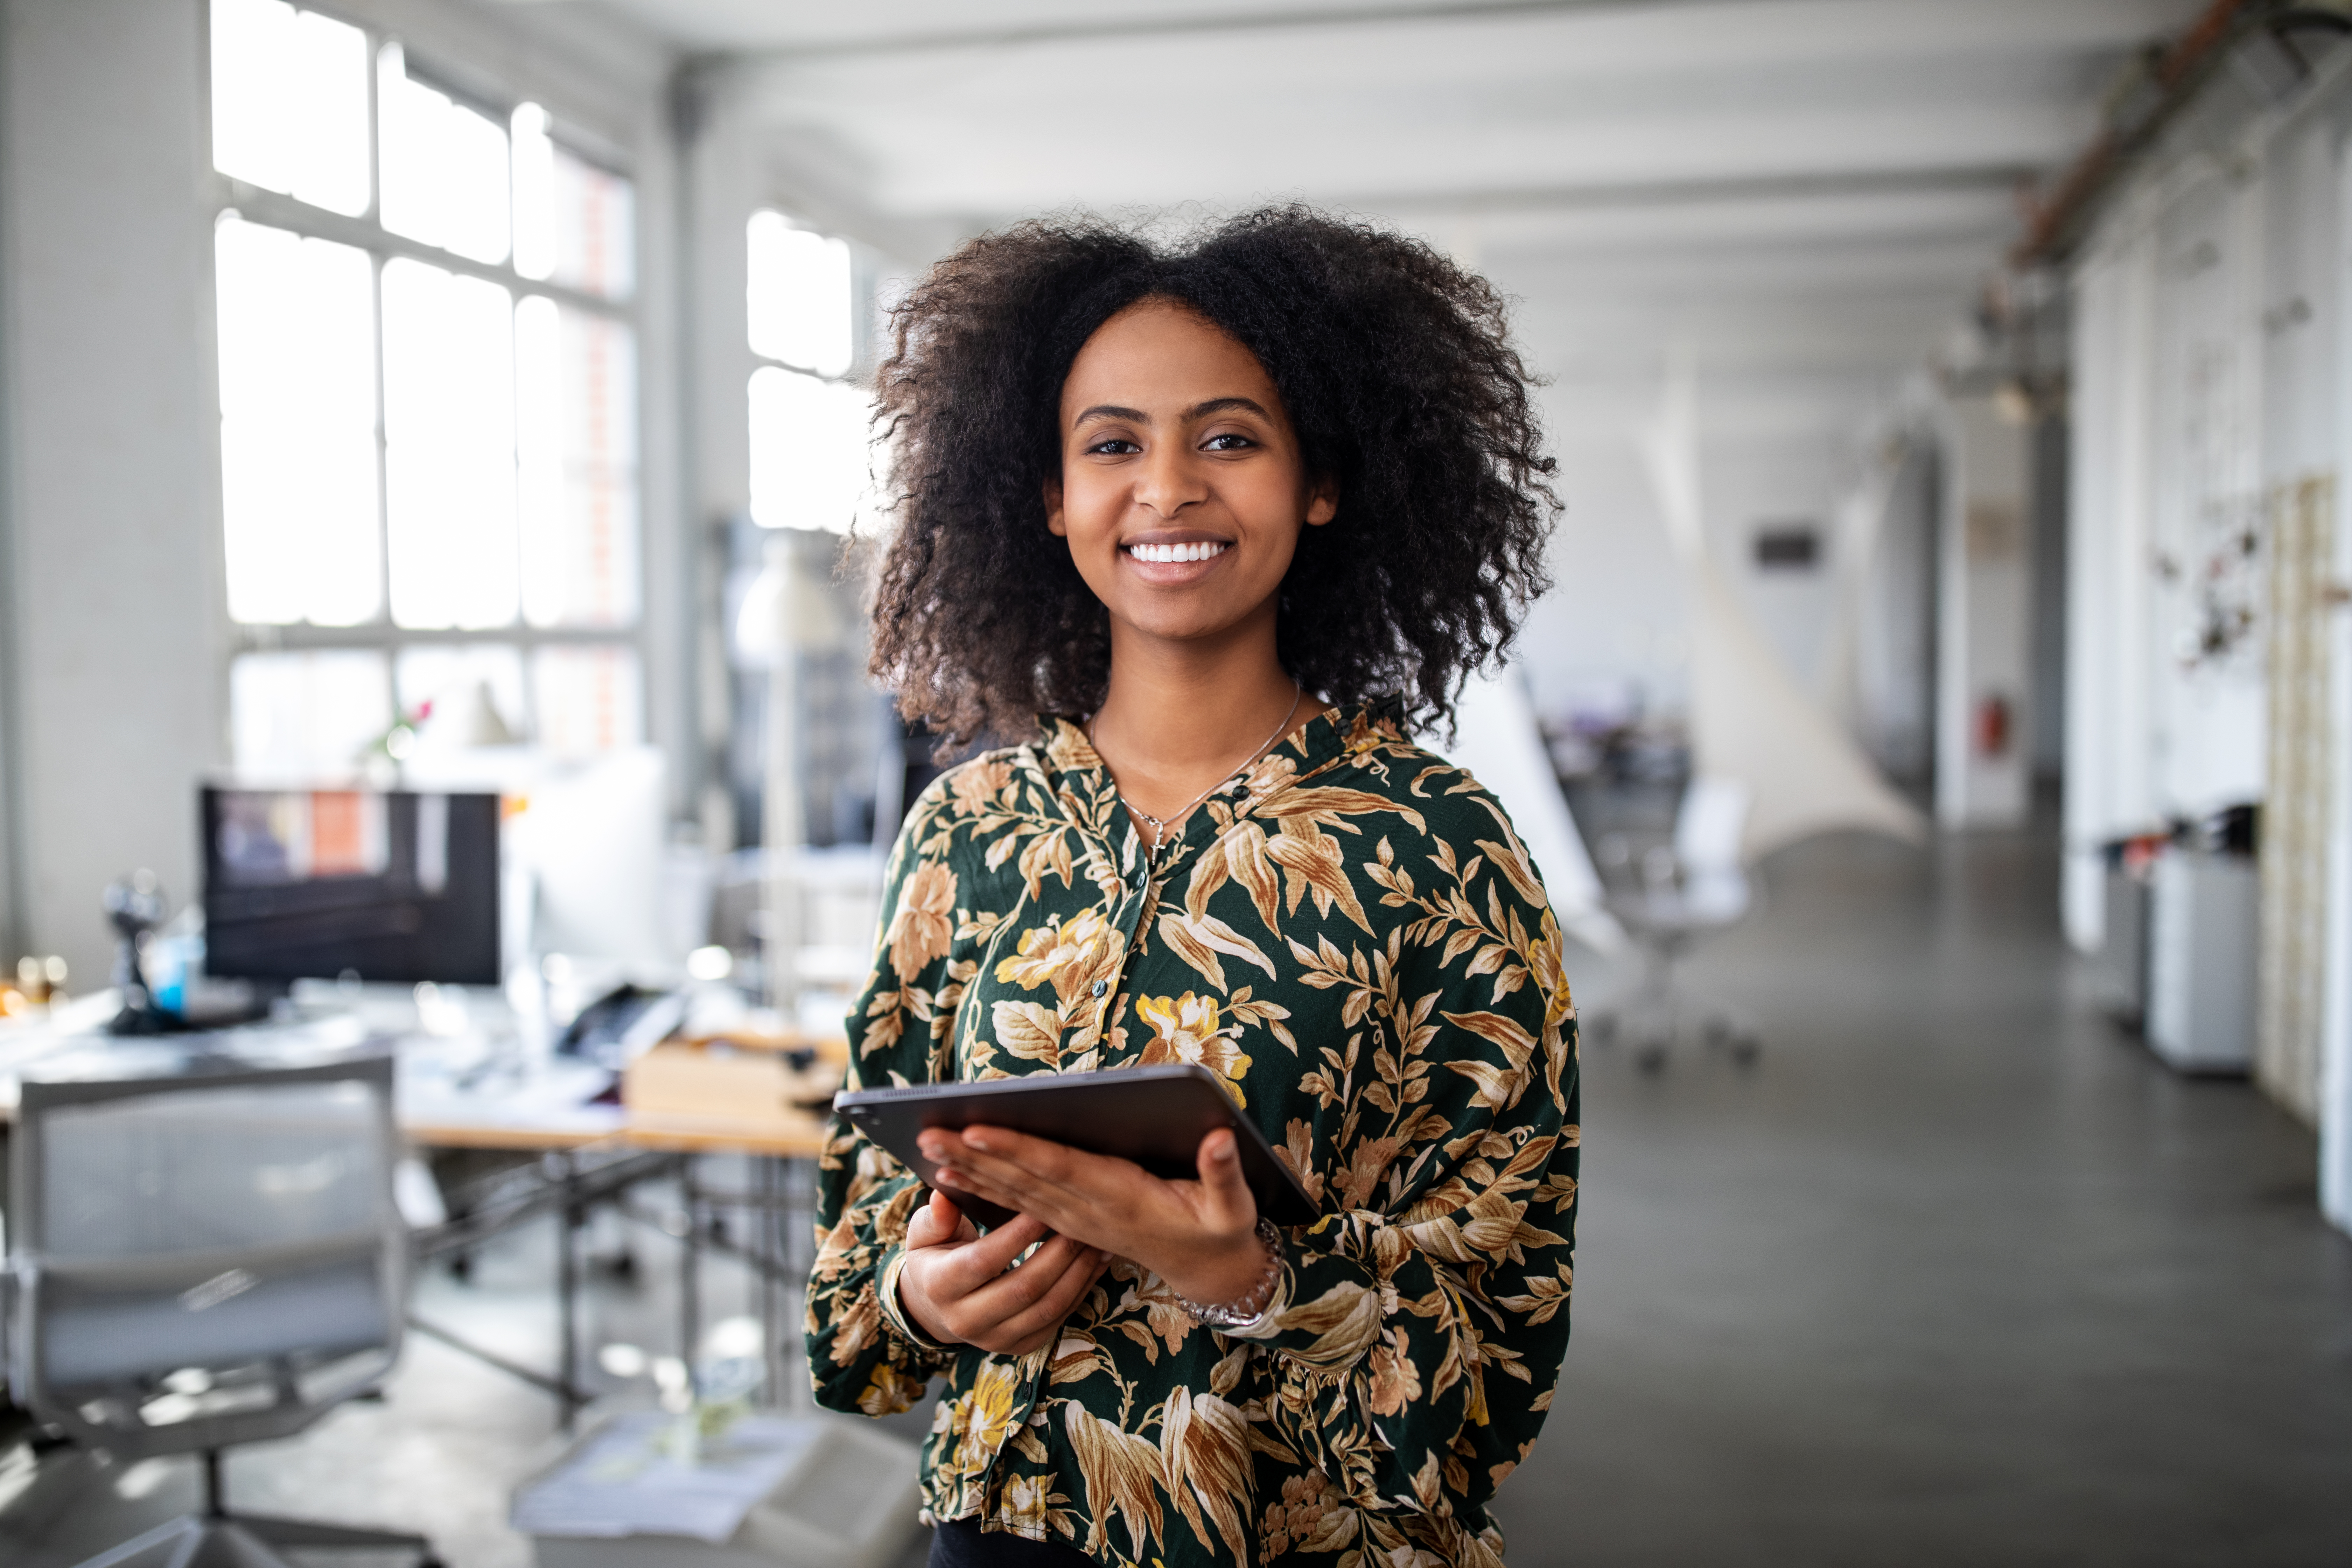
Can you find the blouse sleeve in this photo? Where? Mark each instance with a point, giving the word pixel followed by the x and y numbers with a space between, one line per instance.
pixel 863 1356
pixel 1418 1326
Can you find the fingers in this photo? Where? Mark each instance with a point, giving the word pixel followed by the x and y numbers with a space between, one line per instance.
pixel 1030 1302
pixel 938 1223
pixel 974 1264
pixel 979 1316
pixel 1016 1162
pixel 1224 1192
pixel 1090 1195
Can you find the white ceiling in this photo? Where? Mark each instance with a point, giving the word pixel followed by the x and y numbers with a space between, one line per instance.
pixel 1795 199
pixel 1649 157
pixel 1790 187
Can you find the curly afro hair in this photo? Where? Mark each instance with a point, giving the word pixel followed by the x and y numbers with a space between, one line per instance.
pixel 1394 367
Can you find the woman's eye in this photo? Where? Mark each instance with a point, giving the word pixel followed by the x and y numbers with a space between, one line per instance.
pixel 1117 446
pixel 1228 441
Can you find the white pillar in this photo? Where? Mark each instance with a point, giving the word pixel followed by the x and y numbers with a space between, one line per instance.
pixel 1984 623
pixel 115 580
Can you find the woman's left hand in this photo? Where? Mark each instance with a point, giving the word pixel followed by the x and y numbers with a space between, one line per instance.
pixel 1200 1236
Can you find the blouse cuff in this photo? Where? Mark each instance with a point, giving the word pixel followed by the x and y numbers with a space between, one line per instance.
pixel 894 1312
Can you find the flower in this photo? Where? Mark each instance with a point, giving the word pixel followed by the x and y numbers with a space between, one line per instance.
pixel 1186 1029
pixel 889 1391
pixel 1022 1508
pixel 1310 1517
pixel 1395 1382
pixel 976 787
pixel 981 1419
pixel 1062 956
pixel 925 922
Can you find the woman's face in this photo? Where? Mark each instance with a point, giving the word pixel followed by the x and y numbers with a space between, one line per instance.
pixel 1181 491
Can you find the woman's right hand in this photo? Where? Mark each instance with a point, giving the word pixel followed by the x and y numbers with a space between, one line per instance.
pixel 960 1287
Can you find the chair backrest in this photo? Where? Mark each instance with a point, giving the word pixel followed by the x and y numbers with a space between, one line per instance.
pixel 206 1259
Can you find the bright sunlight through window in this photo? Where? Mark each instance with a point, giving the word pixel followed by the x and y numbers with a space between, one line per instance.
pixel 573 220
pixel 406 446
pixel 297 427
pixel 809 453
pixel 808 431
pixel 801 310
pixel 290 103
pixel 446 175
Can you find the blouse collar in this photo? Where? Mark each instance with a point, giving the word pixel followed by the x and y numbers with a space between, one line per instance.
pixel 1345 729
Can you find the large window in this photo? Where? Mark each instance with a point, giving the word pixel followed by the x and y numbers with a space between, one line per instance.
pixel 808 421
pixel 428 403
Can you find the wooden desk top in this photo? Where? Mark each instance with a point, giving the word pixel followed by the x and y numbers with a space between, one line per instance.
pixel 798 1140
pixel 488 1121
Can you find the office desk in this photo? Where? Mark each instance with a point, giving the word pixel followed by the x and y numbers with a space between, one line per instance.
pixel 461 1095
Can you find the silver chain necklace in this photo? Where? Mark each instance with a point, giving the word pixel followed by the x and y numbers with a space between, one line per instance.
pixel 1160 824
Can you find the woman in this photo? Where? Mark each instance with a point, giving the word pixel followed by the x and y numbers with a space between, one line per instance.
pixel 1231 515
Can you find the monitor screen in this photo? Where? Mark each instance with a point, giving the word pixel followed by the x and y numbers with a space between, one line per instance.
pixel 390 885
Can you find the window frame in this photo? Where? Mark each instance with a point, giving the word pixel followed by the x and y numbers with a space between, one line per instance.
pixel 226 195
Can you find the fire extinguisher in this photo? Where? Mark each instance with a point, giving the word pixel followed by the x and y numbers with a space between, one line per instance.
pixel 1992 726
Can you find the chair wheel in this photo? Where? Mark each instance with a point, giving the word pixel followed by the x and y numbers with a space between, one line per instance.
pixel 1652 1058
pixel 430 1560
pixel 1746 1048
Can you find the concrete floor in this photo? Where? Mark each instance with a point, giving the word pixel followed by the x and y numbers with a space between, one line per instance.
pixel 1957 1274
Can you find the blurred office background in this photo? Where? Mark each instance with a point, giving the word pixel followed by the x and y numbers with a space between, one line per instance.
pixel 1937 737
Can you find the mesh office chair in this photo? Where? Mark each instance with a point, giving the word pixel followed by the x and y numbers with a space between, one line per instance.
pixel 203 1260
pixel 1687 890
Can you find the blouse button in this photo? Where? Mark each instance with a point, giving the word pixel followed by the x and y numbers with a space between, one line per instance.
pixel 1100 987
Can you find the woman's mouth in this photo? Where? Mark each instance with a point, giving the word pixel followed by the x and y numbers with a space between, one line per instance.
pixel 1199 551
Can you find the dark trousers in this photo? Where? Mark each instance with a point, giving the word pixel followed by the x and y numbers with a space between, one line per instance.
pixel 961 1543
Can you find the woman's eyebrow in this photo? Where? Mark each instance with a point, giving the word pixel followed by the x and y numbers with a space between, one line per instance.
pixel 1220 404
pixel 1112 411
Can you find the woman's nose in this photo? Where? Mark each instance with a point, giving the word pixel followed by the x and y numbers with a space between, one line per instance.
pixel 1169 481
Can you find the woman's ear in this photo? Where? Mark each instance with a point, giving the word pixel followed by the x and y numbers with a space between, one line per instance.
pixel 1054 523
pixel 1322 502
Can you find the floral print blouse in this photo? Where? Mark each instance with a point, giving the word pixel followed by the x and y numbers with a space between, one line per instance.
pixel 1354 938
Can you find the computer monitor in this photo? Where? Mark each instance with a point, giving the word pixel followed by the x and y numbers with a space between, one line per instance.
pixel 393 886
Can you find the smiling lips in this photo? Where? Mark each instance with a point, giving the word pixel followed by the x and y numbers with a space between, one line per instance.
pixel 1200 550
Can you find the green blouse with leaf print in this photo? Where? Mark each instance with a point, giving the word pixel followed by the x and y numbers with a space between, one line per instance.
pixel 1353 936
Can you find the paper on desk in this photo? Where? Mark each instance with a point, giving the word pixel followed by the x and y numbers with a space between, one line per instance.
pixel 621 1481
pixel 558 1098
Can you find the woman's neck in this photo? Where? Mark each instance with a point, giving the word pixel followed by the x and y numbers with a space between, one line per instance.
pixel 1182 716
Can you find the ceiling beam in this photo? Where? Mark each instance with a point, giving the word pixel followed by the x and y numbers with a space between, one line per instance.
pixel 1695 193
pixel 1272 19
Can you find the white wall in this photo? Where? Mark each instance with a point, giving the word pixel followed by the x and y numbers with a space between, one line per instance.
pixel 115 567
pixel 1984 622
pixel 2210 379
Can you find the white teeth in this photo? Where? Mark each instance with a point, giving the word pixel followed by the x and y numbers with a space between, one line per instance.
pixel 1199 552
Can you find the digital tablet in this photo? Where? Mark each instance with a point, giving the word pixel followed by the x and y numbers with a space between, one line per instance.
pixel 1154 1116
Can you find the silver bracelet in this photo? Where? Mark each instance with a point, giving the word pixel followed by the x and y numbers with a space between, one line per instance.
pixel 1235 1316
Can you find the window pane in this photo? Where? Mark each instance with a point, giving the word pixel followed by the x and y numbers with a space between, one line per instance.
pixel 289 102
pixel 297 427
pixel 439 681
pixel 575 391
pixel 587 699
pixel 307 716
pixel 450 451
pixel 445 166
pixel 574 223
pixel 798 296
pixel 809 451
